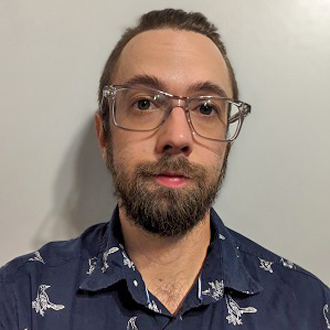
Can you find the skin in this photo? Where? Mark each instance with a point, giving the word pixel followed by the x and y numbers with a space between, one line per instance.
pixel 179 59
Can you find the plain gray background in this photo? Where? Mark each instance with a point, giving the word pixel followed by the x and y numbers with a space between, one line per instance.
pixel 53 183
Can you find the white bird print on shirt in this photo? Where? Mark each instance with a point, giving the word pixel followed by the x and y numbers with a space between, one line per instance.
pixel 266 265
pixel 325 312
pixel 42 302
pixel 131 324
pixel 235 311
pixel 37 257
pixel 215 290
pixel 105 258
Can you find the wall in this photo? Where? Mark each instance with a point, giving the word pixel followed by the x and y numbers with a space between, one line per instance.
pixel 53 183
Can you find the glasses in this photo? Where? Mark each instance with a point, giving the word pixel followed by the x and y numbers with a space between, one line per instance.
pixel 140 109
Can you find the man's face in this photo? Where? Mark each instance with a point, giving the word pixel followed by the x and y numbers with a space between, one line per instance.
pixel 167 179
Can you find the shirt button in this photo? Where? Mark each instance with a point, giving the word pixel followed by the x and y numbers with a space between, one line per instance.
pixel 135 282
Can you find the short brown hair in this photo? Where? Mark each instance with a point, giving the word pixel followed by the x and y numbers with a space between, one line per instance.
pixel 175 19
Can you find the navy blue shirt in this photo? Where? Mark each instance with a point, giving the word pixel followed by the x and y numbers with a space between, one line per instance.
pixel 91 283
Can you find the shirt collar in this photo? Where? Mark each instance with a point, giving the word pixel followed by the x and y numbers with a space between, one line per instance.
pixel 112 265
pixel 223 267
pixel 224 262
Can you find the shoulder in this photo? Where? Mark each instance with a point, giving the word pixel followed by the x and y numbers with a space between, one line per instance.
pixel 60 265
pixel 53 254
pixel 288 293
pixel 271 269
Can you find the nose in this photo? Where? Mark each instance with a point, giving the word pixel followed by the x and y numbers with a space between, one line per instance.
pixel 175 136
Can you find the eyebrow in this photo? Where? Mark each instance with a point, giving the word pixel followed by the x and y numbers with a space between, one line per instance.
pixel 208 87
pixel 153 82
pixel 145 80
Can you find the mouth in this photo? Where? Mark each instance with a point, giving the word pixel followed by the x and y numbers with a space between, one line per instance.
pixel 172 180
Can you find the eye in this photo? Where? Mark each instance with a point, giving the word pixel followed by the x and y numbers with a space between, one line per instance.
pixel 143 104
pixel 206 109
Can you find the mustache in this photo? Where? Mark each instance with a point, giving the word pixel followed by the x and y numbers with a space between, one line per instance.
pixel 168 164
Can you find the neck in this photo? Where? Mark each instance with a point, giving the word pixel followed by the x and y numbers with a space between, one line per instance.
pixel 169 266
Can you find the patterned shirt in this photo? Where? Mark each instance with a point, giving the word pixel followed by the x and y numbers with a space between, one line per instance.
pixel 91 283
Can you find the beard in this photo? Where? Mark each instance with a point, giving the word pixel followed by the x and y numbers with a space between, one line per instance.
pixel 161 210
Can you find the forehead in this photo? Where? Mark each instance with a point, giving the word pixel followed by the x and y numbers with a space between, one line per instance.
pixel 178 59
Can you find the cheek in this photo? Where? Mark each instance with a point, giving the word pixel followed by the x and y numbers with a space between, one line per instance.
pixel 215 159
pixel 131 148
pixel 215 166
pixel 211 153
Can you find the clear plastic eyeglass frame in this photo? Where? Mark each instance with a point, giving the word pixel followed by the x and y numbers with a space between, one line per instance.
pixel 243 109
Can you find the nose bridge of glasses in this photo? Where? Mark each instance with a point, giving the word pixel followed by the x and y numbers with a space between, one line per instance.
pixel 179 102
pixel 176 102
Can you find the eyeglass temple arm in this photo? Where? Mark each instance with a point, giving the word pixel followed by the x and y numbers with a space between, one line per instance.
pixel 244 108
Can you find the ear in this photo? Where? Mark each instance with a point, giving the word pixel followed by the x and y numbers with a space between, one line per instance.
pixel 100 135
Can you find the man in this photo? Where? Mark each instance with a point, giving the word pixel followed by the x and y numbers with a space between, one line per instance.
pixel 165 260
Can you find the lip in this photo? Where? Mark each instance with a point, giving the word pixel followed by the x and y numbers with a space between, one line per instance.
pixel 172 180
